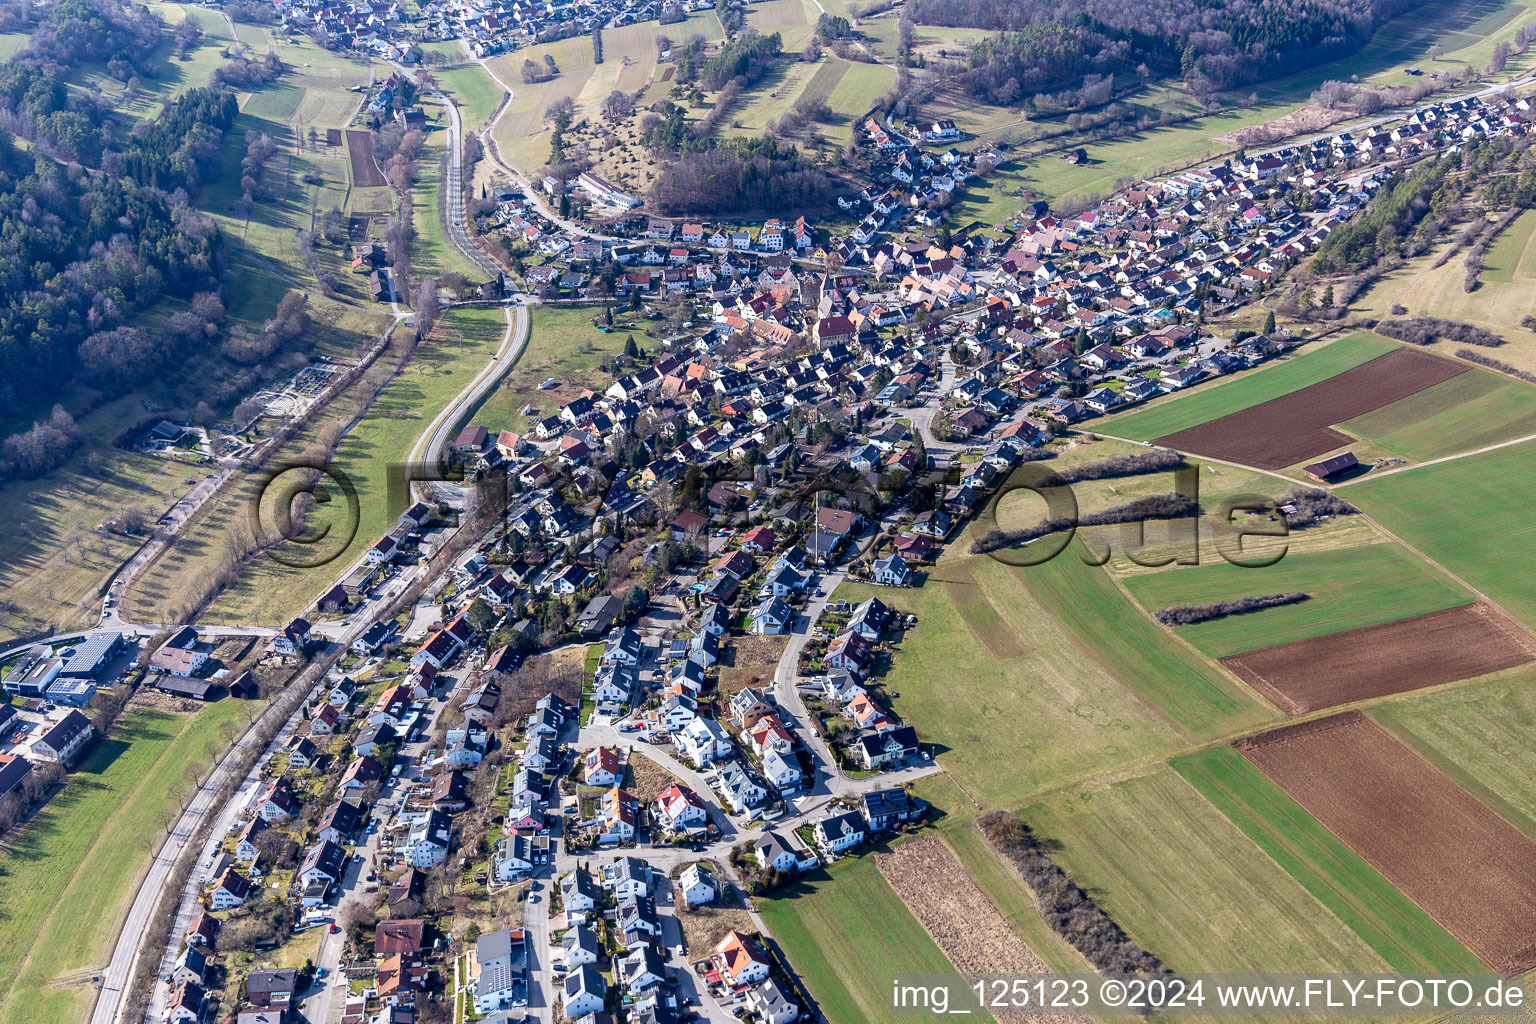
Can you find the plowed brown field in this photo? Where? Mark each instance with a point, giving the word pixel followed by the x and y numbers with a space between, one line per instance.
pixel 964 923
pixel 1394 657
pixel 365 170
pixel 1467 867
pixel 1295 427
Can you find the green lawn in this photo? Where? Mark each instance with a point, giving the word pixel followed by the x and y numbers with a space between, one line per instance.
pixel 562 344
pixel 847 934
pixel 1219 398
pixel 270 592
pixel 1351 587
pixel 432 252
pixel 1187 885
pixel 1479 736
pixel 71 874
pixel 989 671
pixel 1197 699
pixel 1472 516
pixel 1465 413
pixel 474 92
pixel 1407 938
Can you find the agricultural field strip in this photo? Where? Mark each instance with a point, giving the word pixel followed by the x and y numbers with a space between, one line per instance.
pixel 1211 401
pixel 1158 667
pixel 1465 866
pixel 847 933
pixel 962 921
pixel 1484 536
pixel 1478 735
pixel 1407 938
pixel 1350 587
pixel 1393 657
pixel 1296 426
pixel 1186 883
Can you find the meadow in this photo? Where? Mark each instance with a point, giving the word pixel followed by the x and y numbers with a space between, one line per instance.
pixel 70 874
pixel 989 671
pixel 1470 515
pixel 1470 411
pixel 1406 938
pixel 1214 399
pixel 54 560
pixel 476 95
pixel 1350 587
pixel 563 344
pixel 1195 697
pixel 270 592
pixel 1505 295
pixel 1479 736
pixel 1186 884
pixel 847 934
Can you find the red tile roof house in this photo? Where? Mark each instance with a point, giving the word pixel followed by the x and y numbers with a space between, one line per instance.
pixel 472 439
pixel 398 937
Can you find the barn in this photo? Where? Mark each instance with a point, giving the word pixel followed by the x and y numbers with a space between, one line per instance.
pixel 1330 468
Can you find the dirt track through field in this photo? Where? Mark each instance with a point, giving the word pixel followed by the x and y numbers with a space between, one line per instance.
pixel 964 923
pixel 1393 657
pixel 1468 868
pixel 365 170
pixel 1295 427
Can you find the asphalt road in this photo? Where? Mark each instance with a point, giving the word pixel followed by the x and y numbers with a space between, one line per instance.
pixel 123 964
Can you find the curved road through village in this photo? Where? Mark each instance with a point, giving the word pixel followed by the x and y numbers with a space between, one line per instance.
pixel 117 975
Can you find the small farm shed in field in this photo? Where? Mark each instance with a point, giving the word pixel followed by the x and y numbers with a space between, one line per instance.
pixel 1330 468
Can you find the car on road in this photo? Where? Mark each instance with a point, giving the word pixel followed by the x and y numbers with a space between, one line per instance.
pixel 333 928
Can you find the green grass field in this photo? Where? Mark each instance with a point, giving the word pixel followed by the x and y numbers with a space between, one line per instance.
pixel 1465 413
pixel 1407 938
pixel 1479 736
pixel 1112 631
pixel 53 560
pixel 474 92
pixel 271 592
pixel 1186 884
pixel 1219 398
pixel 562 344
pixel 1472 516
pixel 432 252
pixel 847 934
pixel 70 875
pixel 278 101
pixel 984 685
pixel 1351 587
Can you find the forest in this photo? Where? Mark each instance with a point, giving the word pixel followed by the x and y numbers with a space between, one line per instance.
pixel 1049 45
pixel 731 177
pixel 95 225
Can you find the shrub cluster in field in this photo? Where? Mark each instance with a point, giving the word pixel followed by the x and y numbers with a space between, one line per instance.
pixel 1069 910
pixel 1188 614
pixel 1156 506
pixel 1310 504
pixel 1495 364
pixel 1154 461
pixel 1424 329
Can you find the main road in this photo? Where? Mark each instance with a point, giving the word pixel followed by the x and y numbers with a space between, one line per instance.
pixel 118 973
